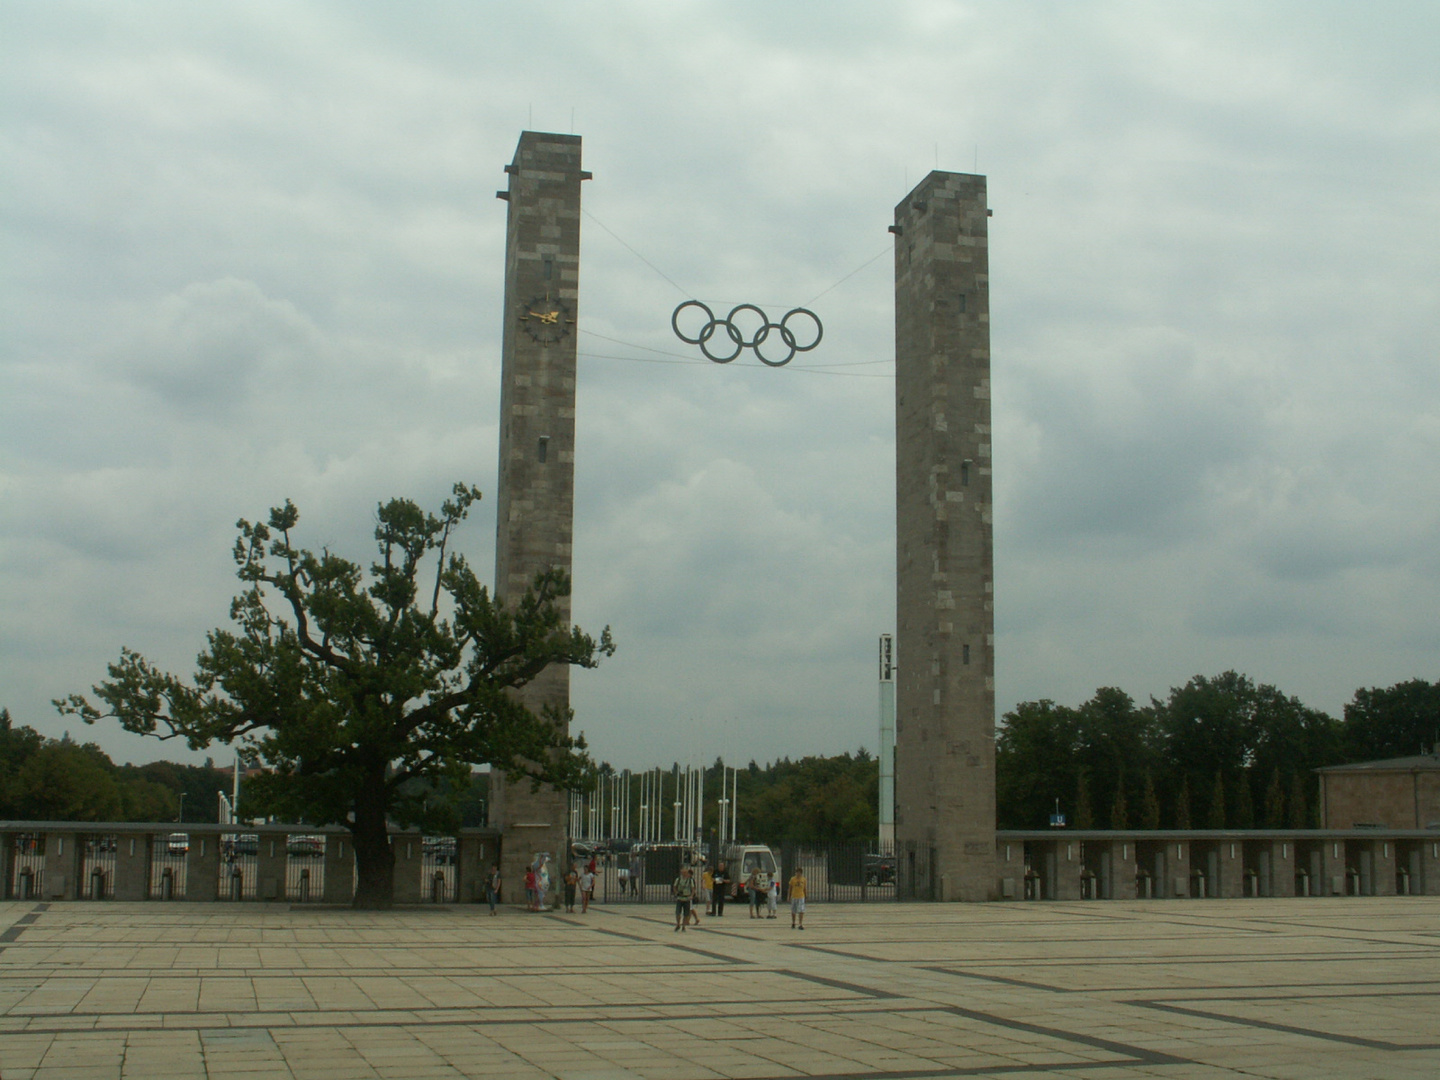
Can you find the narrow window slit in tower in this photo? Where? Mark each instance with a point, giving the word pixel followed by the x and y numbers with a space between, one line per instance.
pixel 964 654
pixel 960 305
pixel 544 449
pixel 964 473
pixel 550 269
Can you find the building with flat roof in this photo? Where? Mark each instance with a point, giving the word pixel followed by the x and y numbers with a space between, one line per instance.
pixel 1396 793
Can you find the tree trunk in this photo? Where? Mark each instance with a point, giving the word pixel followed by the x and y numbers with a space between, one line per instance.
pixel 374 857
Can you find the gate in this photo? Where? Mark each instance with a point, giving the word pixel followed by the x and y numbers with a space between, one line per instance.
pixel 97 867
pixel 437 869
pixel 305 868
pixel 28 868
pixel 239 866
pixel 168 855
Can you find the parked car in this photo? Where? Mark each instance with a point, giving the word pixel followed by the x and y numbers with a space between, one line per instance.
pixel 238 847
pixel 879 869
pixel 440 849
pixel 306 847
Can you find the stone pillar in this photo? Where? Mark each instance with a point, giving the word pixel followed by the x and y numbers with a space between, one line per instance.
pixel 1429 883
pixel 536 486
pixel 62 865
pixel 1122 870
pixel 1230 882
pixel 202 868
pixel 339 869
pixel 7 866
pixel 1332 869
pixel 1382 868
pixel 1068 868
pixel 1282 869
pixel 945 689
pixel 409 859
pixel 1010 866
pixel 132 866
pixel 270 863
pixel 1177 865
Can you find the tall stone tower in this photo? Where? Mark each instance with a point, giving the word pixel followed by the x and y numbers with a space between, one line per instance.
pixel 945 693
pixel 536 498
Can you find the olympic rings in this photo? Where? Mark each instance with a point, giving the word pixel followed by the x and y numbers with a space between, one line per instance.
pixel 742 340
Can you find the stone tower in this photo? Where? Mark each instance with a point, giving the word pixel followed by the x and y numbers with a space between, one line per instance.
pixel 945 693
pixel 536 496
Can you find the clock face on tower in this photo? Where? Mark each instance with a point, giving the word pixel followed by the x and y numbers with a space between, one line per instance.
pixel 545 319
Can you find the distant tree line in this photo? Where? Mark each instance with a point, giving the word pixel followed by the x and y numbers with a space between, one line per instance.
pixel 810 800
pixel 1219 752
pixel 806 801
pixel 61 780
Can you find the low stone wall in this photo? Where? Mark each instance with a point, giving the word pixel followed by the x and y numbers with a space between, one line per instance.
pixel 1067 864
pixel 49 860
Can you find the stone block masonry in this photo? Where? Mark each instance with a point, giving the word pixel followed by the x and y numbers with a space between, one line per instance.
pixel 536 498
pixel 945 688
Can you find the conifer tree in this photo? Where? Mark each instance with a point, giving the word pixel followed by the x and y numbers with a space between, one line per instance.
pixel 1150 805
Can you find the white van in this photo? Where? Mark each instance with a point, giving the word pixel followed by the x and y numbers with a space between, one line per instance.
pixel 741 859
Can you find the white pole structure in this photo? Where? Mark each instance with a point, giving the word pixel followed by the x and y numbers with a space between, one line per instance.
pixel 690 775
pixel 677 804
pixel 652 823
pixel 734 802
pixel 640 810
pixel 685 808
pixel 887 744
pixel 722 808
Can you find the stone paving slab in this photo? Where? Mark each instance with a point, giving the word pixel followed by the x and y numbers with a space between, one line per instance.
pixel 1343 987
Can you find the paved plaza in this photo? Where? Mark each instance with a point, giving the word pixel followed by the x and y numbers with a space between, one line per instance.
pixel 1097 990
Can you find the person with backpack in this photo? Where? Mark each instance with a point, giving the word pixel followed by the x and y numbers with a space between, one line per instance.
pixel 683 890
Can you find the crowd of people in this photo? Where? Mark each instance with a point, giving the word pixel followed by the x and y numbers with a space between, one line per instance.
pixel 711 889
pixel 714 887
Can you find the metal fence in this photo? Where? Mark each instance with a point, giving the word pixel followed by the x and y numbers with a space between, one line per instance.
pixel 28 868
pixel 305 869
pixel 239 866
pixel 841 872
pixel 97 866
pixel 168 855
pixel 437 869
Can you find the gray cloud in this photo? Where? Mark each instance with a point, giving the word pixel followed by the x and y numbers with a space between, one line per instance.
pixel 254 254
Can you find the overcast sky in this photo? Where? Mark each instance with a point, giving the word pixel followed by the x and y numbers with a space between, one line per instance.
pixel 252 252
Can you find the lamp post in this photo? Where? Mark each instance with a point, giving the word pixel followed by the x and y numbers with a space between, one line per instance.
pixel 181 818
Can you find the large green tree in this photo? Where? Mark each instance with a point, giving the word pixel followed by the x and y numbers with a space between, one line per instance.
pixel 364 693
pixel 1394 721
pixel 1224 736
pixel 1036 764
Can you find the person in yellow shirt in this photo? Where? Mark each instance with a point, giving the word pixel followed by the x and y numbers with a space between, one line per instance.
pixel 797 899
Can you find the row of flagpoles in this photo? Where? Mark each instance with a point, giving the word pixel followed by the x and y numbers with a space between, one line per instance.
pixel 671 806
